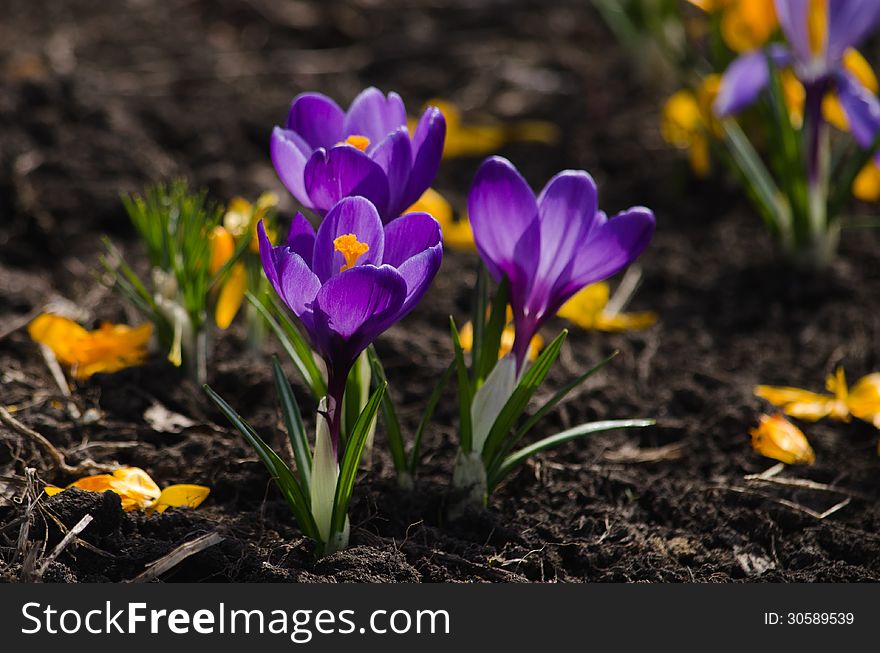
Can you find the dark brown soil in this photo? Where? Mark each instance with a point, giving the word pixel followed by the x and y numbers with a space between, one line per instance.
pixel 94 103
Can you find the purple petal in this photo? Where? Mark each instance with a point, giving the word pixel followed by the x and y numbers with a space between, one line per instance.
pixel 568 210
pixel 352 215
pixel 289 154
pixel 501 207
pixel 427 144
pixel 394 155
pixel 409 235
pixel 353 308
pixel 344 171
pixel 317 119
pixel 794 19
pixel 301 237
pixel 742 83
pixel 612 246
pixel 861 107
pixel 374 116
pixel 290 276
pixel 418 272
pixel 849 23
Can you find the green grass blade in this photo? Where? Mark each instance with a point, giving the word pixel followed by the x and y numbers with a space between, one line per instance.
pixel 351 459
pixel 518 401
pixel 279 471
pixel 393 432
pixel 491 339
pixel 580 431
pixel 296 430
pixel 305 365
pixel 546 408
pixel 478 321
pixel 434 399
pixel 465 391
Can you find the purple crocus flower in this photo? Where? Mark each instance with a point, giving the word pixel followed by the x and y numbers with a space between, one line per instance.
pixel 550 247
pixel 352 280
pixel 325 153
pixel 817 45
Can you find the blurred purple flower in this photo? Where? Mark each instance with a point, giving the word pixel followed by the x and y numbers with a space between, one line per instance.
pixel 817 47
pixel 550 247
pixel 325 153
pixel 352 280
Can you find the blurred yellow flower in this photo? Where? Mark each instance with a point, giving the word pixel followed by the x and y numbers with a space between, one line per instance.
pixel 507 337
pixel 242 217
pixel 138 491
pixel 866 185
pixel 456 233
pixel 586 309
pixel 745 24
pixel 775 437
pixel 687 122
pixel 109 348
pixel 464 140
pixel 862 401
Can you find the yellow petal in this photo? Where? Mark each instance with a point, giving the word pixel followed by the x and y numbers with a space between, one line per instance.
pixel 748 24
pixel 181 496
pixel 231 296
pixel 585 307
pixel 794 96
pixel 681 119
pixel 817 25
pixel 136 490
pixel 699 156
pixel 51 490
pixel 859 68
pixel 222 248
pixel 58 334
pixel 620 322
pixel 866 185
pixel 777 438
pixel 466 337
pixel 456 233
pixel 864 399
pixel 110 348
pixel 803 404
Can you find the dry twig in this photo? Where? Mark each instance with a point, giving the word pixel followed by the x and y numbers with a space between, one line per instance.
pixel 175 557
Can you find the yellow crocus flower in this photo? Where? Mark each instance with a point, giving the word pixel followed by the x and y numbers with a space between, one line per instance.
pixel 109 348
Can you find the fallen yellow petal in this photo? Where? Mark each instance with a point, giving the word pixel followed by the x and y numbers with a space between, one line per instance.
pixel 181 496
pixel 586 309
pixel 864 399
pixel 231 296
pixel 803 404
pixel 109 348
pixel 775 437
pixel 137 491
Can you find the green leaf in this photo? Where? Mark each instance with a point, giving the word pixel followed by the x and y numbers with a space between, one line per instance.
pixel 295 346
pixel 389 415
pixel 433 400
pixel 580 431
pixel 352 457
pixel 478 320
pixel 490 343
pixel 758 178
pixel 465 391
pixel 296 431
pixel 546 408
pixel 279 471
pixel 518 401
